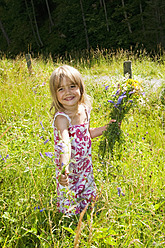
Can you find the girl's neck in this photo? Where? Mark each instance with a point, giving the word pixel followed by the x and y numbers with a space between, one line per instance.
pixel 73 111
pixel 77 115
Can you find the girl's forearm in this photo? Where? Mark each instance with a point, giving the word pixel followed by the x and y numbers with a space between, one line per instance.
pixel 98 131
pixel 65 157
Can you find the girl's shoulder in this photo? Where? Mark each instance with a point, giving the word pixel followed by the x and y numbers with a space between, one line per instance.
pixel 60 117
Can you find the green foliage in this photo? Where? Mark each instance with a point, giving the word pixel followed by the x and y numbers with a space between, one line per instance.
pixel 124 98
pixel 130 204
pixel 62 29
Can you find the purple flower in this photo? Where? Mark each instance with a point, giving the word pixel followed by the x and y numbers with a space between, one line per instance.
pixel 111 101
pixel 0 156
pixel 117 92
pixel 143 94
pixel 106 87
pixel 41 137
pixel 120 99
pixel 41 210
pixel 59 147
pixel 119 190
pixel 131 92
pixel 41 155
pixel 7 155
pixel 46 141
pixel 131 101
pixel 49 154
pixel 143 138
pixel 124 93
pixel 42 125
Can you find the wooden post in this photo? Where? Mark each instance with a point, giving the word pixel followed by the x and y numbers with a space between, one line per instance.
pixel 29 62
pixel 128 68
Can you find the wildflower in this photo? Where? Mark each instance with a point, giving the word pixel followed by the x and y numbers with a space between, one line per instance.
pixel 0 156
pixel 120 99
pixel 117 92
pixel 106 87
pixel 143 138
pixel 41 210
pixel 42 125
pixel 111 101
pixel 41 137
pixel 43 84
pixel 49 154
pixel 41 155
pixel 119 191
pixel 131 101
pixel 59 147
pixel 46 141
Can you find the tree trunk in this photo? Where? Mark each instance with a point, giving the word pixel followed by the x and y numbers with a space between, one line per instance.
pixel 142 20
pixel 36 23
pixel 50 17
pixel 85 26
pixel 125 15
pixel 31 23
pixel 106 15
pixel 4 33
pixel 101 3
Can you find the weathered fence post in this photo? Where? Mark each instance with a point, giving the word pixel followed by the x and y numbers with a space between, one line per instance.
pixel 29 62
pixel 128 68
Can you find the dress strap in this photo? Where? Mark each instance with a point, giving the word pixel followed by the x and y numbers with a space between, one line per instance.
pixel 87 111
pixel 62 113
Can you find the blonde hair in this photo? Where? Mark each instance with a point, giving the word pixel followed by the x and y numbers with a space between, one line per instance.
pixel 73 75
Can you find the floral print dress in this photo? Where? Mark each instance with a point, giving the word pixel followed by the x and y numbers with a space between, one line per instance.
pixel 82 189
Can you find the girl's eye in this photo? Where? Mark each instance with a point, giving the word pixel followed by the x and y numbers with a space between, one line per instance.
pixel 73 86
pixel 60 89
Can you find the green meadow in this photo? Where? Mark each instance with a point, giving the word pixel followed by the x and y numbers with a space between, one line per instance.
pixel 133 217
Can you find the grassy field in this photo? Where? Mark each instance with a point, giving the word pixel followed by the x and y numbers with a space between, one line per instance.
pixel 28 214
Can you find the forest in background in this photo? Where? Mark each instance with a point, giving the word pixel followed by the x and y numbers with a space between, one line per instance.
pixel 58 27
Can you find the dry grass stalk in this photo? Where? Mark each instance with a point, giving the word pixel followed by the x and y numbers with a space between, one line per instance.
pixel 76 240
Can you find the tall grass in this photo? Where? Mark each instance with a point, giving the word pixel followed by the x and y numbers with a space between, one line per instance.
pixel 28 214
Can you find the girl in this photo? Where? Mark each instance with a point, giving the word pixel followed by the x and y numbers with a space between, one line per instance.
pixel 72 137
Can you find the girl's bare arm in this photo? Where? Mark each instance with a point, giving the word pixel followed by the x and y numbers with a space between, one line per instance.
pixel 98 131
pixel 61 124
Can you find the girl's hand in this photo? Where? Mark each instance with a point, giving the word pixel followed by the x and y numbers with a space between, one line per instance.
pixel 115 121
pixel 63 179
pixel 112 121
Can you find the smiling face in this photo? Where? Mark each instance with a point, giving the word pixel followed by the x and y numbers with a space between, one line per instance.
pixel 68 93
pixel 66 87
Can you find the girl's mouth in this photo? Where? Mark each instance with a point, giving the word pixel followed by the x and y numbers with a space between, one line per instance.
pixel 69 98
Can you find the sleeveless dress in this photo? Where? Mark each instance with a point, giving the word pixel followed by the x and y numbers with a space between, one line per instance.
pixel 82 189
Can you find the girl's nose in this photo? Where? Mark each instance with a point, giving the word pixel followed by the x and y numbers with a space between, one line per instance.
pixel 67 90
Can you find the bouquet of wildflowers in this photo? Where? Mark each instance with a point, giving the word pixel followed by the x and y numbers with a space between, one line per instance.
pixel 122 100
